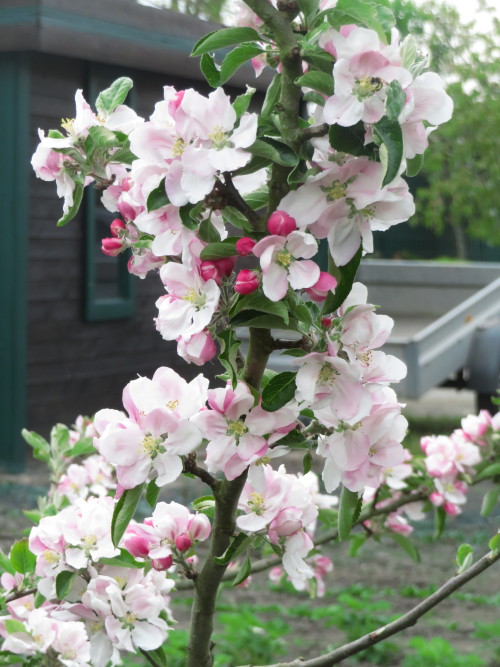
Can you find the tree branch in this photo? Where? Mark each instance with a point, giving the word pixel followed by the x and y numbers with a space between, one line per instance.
pixel 192 468
pixel 403 622
pixel 235 199
pixel 20 594
pixel 315 131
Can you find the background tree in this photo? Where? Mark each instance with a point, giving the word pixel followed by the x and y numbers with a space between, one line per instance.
pixel 458 185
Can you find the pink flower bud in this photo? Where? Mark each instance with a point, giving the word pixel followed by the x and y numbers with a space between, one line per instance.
pixel 452 509
pixel 127 211
pixel 136 544
pixel 116 227
pixel 436 499
pixel 112 246
pixel 210 271
pixel 281 224
pixel 245 245
pixel 324 284
pixel 225 265
pixel 197 349
pixel 326 322
pixel 247 281
pixel 199 527
pixel 183 542
pixel 161 564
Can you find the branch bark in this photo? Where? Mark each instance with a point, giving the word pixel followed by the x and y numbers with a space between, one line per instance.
pixel 403 622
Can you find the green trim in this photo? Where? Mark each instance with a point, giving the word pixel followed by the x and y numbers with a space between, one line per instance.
pixel 96 307
pixel 74 22
pixel 14 165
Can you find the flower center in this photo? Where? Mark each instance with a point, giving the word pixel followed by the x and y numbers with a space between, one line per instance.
pixel 178 147
pixel 256 503
pixel 88 541
pixel 328 374
pixel 284 258
pixel 171 405
pixel 366 87
pixel 129 619
pixel 195 298
pixel 236 428
pixel 151 446
pixel 218 138
pixel 336 191
pixel 51 556
pixel 68 124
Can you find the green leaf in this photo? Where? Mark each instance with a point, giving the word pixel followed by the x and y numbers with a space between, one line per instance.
pixel 229 346
pixel 345 276
pixel 295 352
pixel 123 156
pixel 243 571
pixel 309 8
pixel 219 250
pixel 274 150
pixel 33 515
pixel 319 59
pixel 258 198
pixel 152 493
pixel 463 553
pixel 208 233
pixel 11 625
pixel 414 165
pixel 124 511
pixel 73 210
pixel 256 163
pixel 408 51
pixel 439 522
pixel 272 96
pixel 55 134
pixel 238 56
pixel 100 137
pixel 395 100
pixel 407 545
pixel 494 543
pixel 320 81
pixel 259 302
pixel 22 559
pixel 238 544
pixel 252 318
pixel 314 97
pixel 83 447
pixel 490 499
pixel 348 508
pixel 307 462
pixel 157 198
pixel 39 599
pixel 391 135
pixel 158 657
pixel 242 102
pixel 202 503
pixel 5 564
pixel 220 39
pixel 210 70
pixel 64 581
pixel 125 559
pixel 41 448
pixel 279 391
pixel 294 439
pixel 59 438
pixel 359 12
pixel 109 99
pixel 490 471
pixel 185 215
pixel 349 139
pixel 232 216
pixel 355 544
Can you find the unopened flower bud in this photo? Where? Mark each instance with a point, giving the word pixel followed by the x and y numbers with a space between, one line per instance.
pixel 116 227
pixel 210 271
pixel 247 281
pixel 225 265
pixel 326 322
pixel 324 284
pixel 281 224
pixel 244 246
pixel 161 564
pixel 183 542
pixel 112 246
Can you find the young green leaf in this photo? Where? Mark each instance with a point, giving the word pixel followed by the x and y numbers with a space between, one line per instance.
pixel 208 233
pixel 219 250
pixel 307 462
pixel 157 657
pixel 41 448
pixel 349 139
pixel 243 572
pixel 279 390
pixel 439 522
pixel 73 209
pixel 5 564
pixel 272 96
pixel 345 275
pixel 229 346
pixel 348 508
pixel 238 544
pixel 22 559
pixel 64 580
pixel 124 511
pixel 11 625
pixel 109 99
pixel 395 100
pixel 259 302
pixel 490 499
pixel 152 493
pixel 219 39
pixel 274 150
pixel 157 198
pixel 83 447
pixel 238 56
pixel 391 135
pixel 242 102
pixel 320 81
pixel 210 70
pixel 414 165
pixel 490 471
pixel 125 559
pixel 407 545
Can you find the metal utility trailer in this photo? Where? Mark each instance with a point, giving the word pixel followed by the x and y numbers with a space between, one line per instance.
pixel 446 322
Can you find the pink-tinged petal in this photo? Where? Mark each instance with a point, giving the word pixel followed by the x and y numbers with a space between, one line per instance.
pixel 344 111
pixel 252 523
pixel 228 159
pixel 160 421
pixel 173 185
pixel 300 244
pixel 148 637
pixel 109 416
pixel 122 446
pixel 275 282
pixel 343 240
pixel 130 476
pixel 305 204
pixel 251 446
pixel 168 467
pixel 268 242
pixel 184 439
pixel 219 451
pixel 303 273
pixel 211 424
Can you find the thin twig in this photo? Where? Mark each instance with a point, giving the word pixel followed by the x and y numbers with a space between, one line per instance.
pixel 20 594
pixel 235 199
pixel 313 132
pixel 192 468
pixel 403 622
